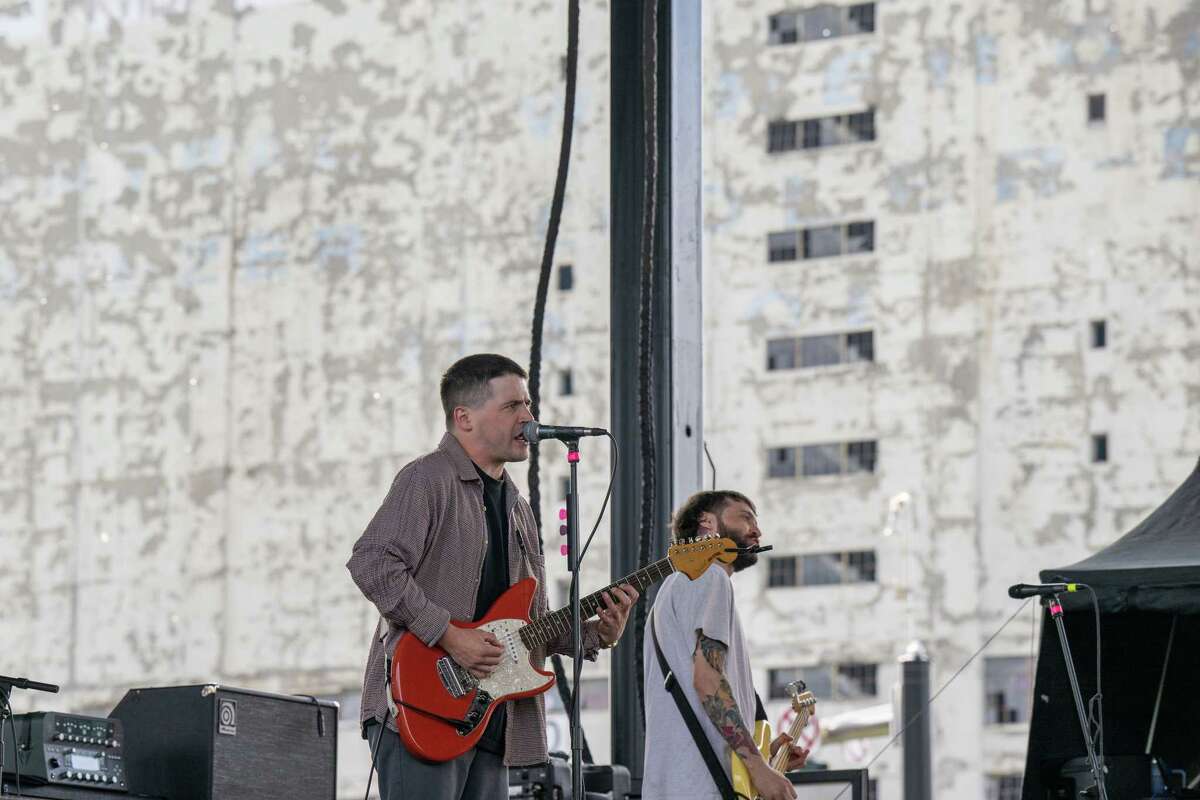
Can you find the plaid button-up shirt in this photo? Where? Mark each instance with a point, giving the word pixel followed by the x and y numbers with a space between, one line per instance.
pixel 419 561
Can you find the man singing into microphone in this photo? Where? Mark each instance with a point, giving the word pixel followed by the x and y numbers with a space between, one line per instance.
pixel 451 536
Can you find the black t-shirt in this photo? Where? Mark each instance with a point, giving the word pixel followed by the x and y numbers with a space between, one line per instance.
pixel 493 582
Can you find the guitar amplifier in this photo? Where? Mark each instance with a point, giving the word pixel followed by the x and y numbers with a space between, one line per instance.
pixel 212 742
pixel 67 749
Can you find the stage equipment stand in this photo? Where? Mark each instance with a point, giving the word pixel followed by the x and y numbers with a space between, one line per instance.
pixel 1054 606
pixel 572 525
pixel 7 684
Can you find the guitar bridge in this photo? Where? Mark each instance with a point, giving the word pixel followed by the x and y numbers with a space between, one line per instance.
pixel 458 682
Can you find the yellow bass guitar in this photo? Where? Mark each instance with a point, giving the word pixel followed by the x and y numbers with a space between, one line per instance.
pixel 803 703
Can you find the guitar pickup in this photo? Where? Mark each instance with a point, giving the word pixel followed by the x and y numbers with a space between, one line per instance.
pixel 458 682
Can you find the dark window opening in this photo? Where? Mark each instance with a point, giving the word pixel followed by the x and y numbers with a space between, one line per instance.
pixel 778 680
pixel 855 681
pixel 781 354
pixel 1099 448
pixel 831 569
pixel 1096 108
pixel 781 136
pixel 820 22
pixel 566 383
pixel 860 346
pixel 1006 690
pixel 781 462
pixel 566 278
pixel 781 571
pixel 1099 334
pixel 784 246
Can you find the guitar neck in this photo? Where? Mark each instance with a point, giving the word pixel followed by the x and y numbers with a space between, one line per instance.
pixel 779 762
pixel 554 624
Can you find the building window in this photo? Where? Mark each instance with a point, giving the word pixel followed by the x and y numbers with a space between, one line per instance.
pixel 855 681
pixel 820 22
pixel 1004 787
pixel 860 237
pixel 847 681
pixel 566 383
pixel 1099 448
pixel 820 351
pixel 824 241
pixel 1096 108
pixel 781 136
pixel 781 354
pixel 781 462
pixel 1099 334
pixel 834 458
pixel 872 789
pixel 831 569
pixel 821 131
pixel 566 278
pixel 784 246
pixel 781 571
pixel 1006 690
pixel 783 28
pixel 778 680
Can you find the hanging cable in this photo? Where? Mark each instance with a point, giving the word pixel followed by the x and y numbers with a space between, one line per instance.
pixel 539 311
pixel 649 469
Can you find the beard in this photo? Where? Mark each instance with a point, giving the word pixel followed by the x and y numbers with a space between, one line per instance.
pixel 743 560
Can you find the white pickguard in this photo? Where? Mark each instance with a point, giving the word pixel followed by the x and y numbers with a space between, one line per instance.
pixel 514 674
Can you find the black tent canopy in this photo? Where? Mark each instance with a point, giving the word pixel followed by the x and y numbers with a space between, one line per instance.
pixel 1148 586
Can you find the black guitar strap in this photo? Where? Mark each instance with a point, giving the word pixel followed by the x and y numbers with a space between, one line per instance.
pixel 693 724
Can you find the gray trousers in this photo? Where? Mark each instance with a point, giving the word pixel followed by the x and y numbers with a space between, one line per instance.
pixel 475 775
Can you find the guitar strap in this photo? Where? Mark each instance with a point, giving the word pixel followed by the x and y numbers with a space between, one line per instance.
pixel 724 786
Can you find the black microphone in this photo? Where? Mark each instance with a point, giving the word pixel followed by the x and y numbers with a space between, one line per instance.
pixel 1019 591
pixel 25 683
pixel 535 432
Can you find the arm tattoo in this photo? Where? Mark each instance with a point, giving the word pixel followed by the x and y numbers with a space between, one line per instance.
pixel 720 706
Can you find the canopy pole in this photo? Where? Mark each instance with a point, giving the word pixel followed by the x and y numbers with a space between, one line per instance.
pixel 1162 680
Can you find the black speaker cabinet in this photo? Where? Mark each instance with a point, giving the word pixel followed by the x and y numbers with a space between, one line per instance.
pixel 219 743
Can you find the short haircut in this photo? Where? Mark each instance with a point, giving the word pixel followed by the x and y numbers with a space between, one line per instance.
pixel 687 518
pixel 466 382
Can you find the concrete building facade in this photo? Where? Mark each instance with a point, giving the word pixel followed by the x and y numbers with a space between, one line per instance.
pixel 951 254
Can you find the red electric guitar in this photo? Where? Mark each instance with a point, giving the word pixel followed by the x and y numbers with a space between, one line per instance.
pixel 442 710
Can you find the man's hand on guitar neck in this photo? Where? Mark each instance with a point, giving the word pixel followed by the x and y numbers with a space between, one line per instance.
pixel 716 697
pixel 474 649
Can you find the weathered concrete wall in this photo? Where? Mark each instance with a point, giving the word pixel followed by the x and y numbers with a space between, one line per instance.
pixel 241 241
pixel 1004 224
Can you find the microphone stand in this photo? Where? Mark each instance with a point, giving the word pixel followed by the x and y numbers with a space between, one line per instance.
pixel 1054 606
pixel 576 622
pixel 7 684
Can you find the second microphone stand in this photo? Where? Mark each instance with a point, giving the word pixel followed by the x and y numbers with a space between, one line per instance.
pixel 1054 606
pixel 573 554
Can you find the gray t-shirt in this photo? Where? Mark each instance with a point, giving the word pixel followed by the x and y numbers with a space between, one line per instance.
pixel 673 765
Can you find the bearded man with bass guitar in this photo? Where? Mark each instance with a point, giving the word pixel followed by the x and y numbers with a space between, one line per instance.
pixel 451 537
pixel 700 636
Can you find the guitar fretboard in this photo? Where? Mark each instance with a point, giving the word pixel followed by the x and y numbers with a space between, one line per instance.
pixel 556 623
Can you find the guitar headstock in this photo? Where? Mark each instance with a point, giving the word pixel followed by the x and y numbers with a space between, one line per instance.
pixel 693 556
pixel 804 702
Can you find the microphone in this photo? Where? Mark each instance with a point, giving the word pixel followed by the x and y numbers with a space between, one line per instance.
pixel 1019 591
pixel 535 432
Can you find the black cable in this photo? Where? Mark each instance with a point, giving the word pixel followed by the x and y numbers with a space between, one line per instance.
pixel 938 693
pixel 1095 703
pixel 374 751
pixel 539 308
pixel 12 726
pixel 648 467
pixel 543 285
pixel 614 452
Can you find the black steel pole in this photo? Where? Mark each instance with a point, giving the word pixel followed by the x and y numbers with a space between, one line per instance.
pixel 914 698
pixel 573 546
pixel 627 184
pixel 1056 612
